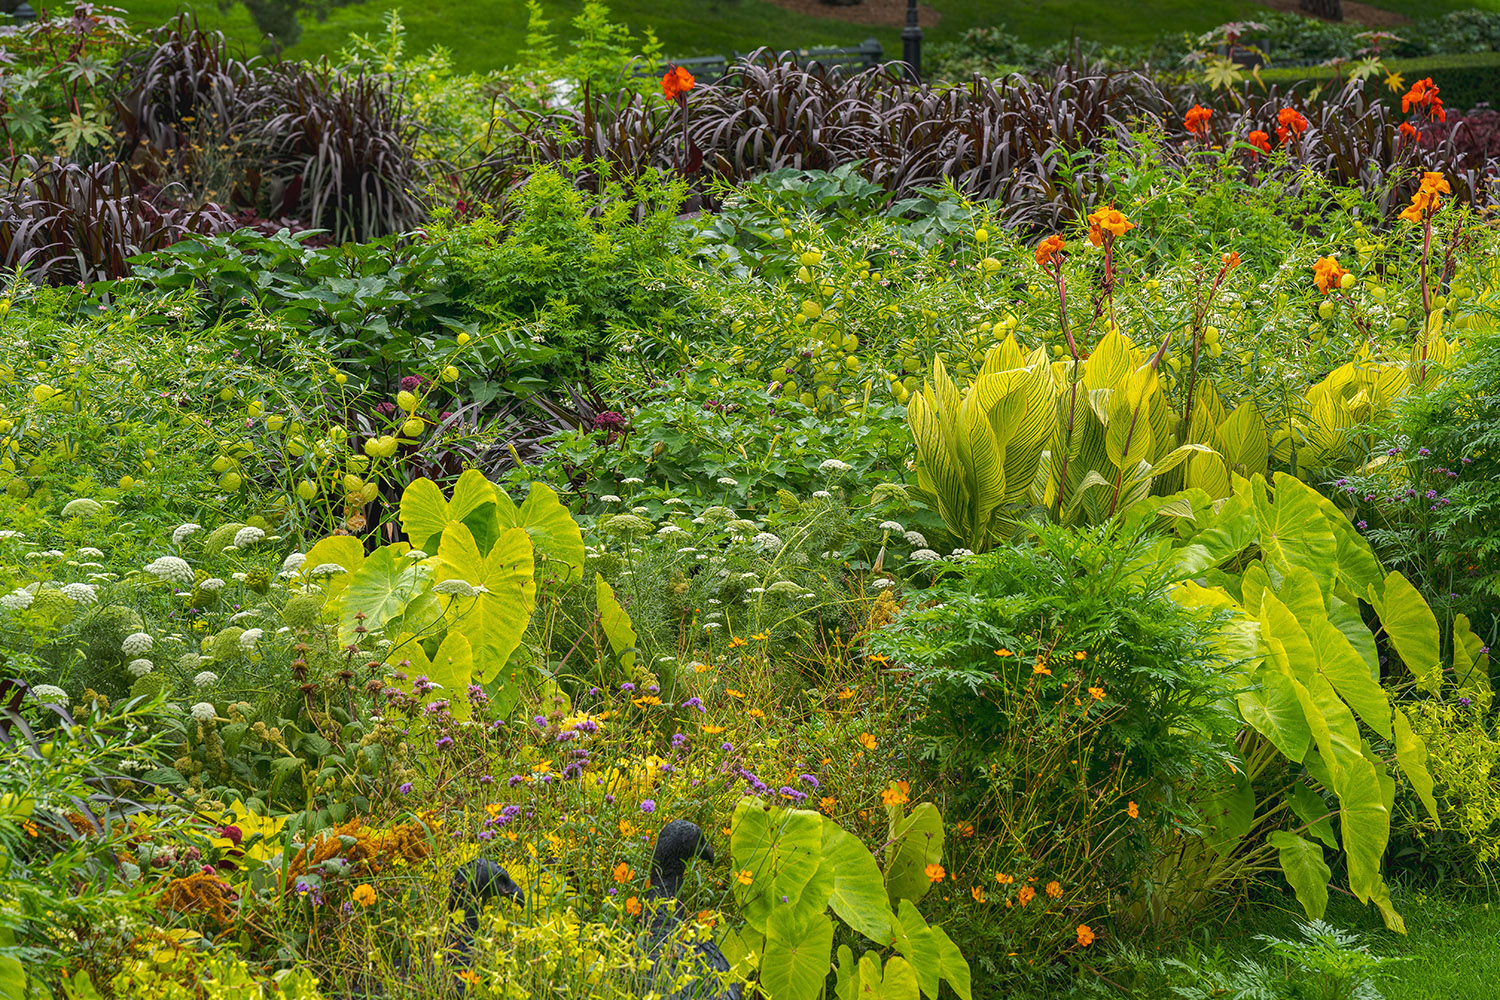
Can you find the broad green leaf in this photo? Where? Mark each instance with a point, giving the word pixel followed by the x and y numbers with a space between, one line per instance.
pixel 1273 710
pixel 847 986
pixel 1232 530
pixel 615 622
pixel 380 589
pixel 915 941
pixel 951 963
pixel 1471 664
pixel 899 981
pixel 1381 897
pixel 1349 675
pixel 1314 814
pixel 1228 812
pixel 338 550
pixel 13 979
pixel 1411 756
pixel 798 955
pixel 782 849
pixel 1306 872
pixel 1293 530
pixel 453 668
pixel 495 619
pixel 858 897
pixel 1412 628
pixel 554 533
pixel 1346 618
pixel 425 514
pixel 1357 566
pixel 915 841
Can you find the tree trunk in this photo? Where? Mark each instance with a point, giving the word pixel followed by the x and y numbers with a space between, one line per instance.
pixel 1329 10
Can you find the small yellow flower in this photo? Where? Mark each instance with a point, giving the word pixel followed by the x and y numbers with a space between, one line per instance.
pixel 733 693
pixel 737 641
pixel 712 730
pixel 760 637
pixel 756 713
pixel 744 877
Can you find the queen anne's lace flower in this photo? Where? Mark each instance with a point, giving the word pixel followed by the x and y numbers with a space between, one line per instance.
pixel 454 588
pixel 626 524
pixel 204 711
pixel 822 494
pixel 293 562
pixel 18 600
pixel 915 538
pixel 925 555
pixel 248 536
pixel 610 498
pixel 416 555
pixel 784 587
pixel 138 668
pixel 328 569
pixel 50 693
pixel 189 662
pixel 205 679
pixel 89 552
pixel 728 481
pixel 82 507
pixel 135 644
pixel 767 542
pixel 892 526
pixel 832 466
pixel 83 593
pixel 212 585
pixel 171 568
pixel 250 637
pixel 183 532
pixel 10 534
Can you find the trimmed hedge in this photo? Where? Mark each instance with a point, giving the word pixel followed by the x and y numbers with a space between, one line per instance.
pixel 1464 81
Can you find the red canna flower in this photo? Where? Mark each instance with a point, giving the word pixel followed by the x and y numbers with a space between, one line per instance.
pixel 1408 131
pixel 1260 141
pixel 1424 94
pixel 1197 119
pixel 1290 124
pixel 677 82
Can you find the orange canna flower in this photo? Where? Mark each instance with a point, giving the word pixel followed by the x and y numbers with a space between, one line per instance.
pixel 1408 131
pixel 633 906
pixel 1424 94
pixel 1435 183
pixel 1085 935
pixel 1259 140
pixel 677 82
pixel 1054 889
pixel 623 873
pixel 1327 273
pixel 1133 810
pixel 1290 124
pixel 1110 221
pixel 934 873
pixel 1197 119
pixel 1047 251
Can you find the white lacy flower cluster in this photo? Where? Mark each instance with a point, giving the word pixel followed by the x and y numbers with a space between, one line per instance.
pixel 173 569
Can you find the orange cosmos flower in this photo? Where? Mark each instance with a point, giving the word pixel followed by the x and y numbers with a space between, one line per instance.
pixel 1197 119
pixel 1290 124
pixel 744 877
pixel 633 906
pixel 978 893
pixel 677 82
pixel 934 873
pixel 867 741
pixel 1003 878
pixel 895 795
pixel 1133 810
pixel 623 873
pixel 364 895
pixel 1109 221
pixel 1259 140
pixel 1040 667
pixel 1047 251
pixel 1026 895
pixel 1327 273
pixel 1085 935
pixel 1096 693
pixel 1004 652
pixel 1054 889
pixel 826 803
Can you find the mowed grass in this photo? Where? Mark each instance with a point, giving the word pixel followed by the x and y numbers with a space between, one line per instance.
pixel 486 34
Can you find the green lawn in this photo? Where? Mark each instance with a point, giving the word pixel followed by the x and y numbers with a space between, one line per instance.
pixel 484 34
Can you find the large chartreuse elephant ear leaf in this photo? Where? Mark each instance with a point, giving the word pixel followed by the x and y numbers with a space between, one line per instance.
pixel 1412 628
pixel 554 534
pixel 1471 665
pixel 426 514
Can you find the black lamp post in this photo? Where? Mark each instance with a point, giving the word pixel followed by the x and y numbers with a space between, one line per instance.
pixel 911 42
pixel 23 14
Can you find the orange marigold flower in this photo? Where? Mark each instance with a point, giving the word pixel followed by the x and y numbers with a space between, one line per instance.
pixel 677 82
pixel 1231 260
pixel 978 893
pixel 364 895
pixel 1133 810
pixel 867 741
pixel 1197 119
pixel 1290 124
pixel 633 906
pixel 1047 251
pixel 623 873
pixel 934 873
pixel 1327 273
pixel 1085 935
pixel 1054 889
pixel 1026 895
pixel 1259 140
